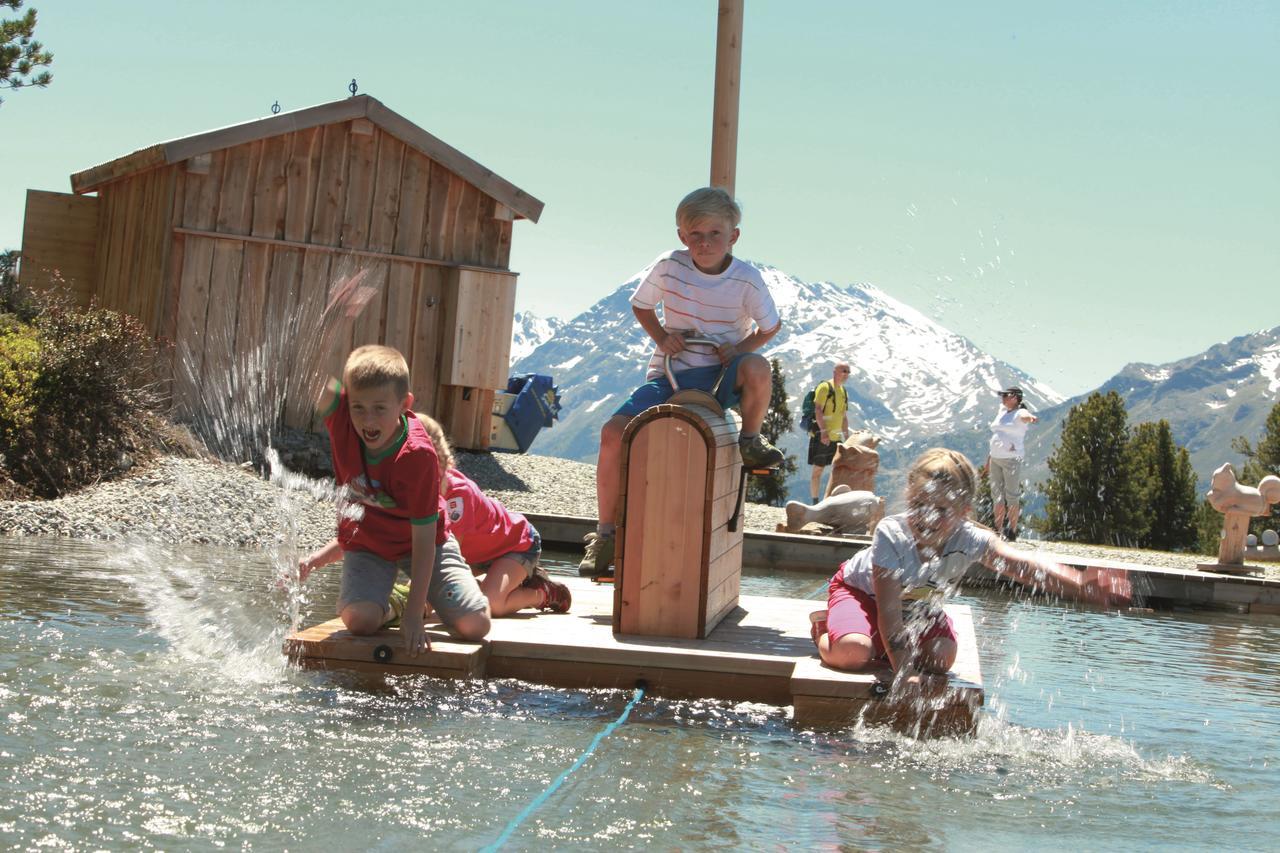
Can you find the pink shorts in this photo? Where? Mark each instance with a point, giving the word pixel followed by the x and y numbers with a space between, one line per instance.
pixel 852 611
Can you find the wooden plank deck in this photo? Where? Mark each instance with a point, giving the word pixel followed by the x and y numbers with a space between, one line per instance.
pixel 761 652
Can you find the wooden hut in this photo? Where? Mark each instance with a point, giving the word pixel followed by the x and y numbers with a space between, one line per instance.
pixel 219 241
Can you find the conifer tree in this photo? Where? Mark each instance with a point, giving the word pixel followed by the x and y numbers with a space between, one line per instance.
pixel 20 53
pixel 1265 458
pixel 1166 488
pixel 772 489
pixel 1260 461
pixel 1208 523
pixel 1091 494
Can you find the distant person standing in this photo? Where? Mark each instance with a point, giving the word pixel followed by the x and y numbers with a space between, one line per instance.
pixel 831 424
pixel 1004 460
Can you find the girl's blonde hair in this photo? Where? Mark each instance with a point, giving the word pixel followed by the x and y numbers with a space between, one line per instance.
pixel 941 473
pixel 444 452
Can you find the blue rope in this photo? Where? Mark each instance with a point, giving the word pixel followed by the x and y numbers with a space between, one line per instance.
pixel 582 759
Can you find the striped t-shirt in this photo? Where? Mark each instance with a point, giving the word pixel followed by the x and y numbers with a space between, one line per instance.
pixel 719 307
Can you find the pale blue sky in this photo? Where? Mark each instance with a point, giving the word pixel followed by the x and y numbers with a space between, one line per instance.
pixel 1072 186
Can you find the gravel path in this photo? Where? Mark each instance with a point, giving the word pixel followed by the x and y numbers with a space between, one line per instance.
pixel 177 499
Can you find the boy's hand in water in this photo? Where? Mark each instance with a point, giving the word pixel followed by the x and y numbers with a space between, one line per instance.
pixel 414 634
pixel 306 566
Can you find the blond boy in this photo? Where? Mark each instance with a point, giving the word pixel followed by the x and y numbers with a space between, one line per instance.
pixel 707 293
pixel 387 462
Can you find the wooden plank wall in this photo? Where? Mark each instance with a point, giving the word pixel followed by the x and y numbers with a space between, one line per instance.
pixel 59 243
pixel 343 188
pixel 133 244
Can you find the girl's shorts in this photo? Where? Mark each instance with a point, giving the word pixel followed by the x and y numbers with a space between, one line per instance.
pixel 852 611
pixel 527 558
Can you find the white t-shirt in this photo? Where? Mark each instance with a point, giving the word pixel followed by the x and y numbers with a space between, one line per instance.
pixel 893 547
pixel 1009 433
pixel 718 307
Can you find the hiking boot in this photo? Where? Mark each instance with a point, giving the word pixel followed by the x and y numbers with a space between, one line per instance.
pixel 558 598
pixel 759 453
pixel 598 559
pixel 1011 534
pixel 817 625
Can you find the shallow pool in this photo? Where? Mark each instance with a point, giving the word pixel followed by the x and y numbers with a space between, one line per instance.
pixel 145 703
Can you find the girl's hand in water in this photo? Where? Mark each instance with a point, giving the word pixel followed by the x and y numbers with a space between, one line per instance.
pixel 914 684
pixel 1106 587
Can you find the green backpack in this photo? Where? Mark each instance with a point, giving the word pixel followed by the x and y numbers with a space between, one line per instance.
pixel 808 422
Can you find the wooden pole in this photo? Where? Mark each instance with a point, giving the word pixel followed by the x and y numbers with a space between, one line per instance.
pixel 724 119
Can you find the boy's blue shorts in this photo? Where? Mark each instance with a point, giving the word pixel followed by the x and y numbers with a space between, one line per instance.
pixel 658 391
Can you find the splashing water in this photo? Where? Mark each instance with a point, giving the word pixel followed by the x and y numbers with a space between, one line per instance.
pixel 237 395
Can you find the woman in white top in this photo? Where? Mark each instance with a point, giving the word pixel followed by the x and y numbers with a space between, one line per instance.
pixel 1004 460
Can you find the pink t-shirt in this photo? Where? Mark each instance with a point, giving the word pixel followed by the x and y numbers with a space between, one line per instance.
pixel 484 528
pixel 399 487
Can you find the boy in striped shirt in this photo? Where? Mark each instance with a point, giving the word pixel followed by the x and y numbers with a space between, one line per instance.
pixel 705 292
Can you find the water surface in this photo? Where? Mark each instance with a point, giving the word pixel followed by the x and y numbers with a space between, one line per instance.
pixel 145 704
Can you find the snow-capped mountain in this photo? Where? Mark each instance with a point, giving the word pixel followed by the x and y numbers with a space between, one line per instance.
pixel 529 331
pixel 1208 399
pixel 912 379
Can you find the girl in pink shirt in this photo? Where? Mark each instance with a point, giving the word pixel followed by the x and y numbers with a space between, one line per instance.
pixel 498 542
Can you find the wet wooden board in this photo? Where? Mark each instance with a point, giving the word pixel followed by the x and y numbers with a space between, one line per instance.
pixel 760 653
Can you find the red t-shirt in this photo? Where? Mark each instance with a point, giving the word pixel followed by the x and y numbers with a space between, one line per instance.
pixel 399 486
pixel 484 528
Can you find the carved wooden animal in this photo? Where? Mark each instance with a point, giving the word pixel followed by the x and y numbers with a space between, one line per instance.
pixel 856 463
pixel 847 511
pixel 1227 495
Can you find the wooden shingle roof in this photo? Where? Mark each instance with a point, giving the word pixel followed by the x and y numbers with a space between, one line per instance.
pixel 360 106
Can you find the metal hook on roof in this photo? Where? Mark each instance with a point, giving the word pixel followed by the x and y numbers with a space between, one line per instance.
pixel 353 87
pixel 275 108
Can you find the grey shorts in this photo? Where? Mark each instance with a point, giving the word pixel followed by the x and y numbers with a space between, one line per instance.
pixel 1006 483
pixel 527 558
pixel 452 593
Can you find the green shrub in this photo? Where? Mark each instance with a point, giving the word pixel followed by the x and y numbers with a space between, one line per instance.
pixel 78 399
pixel 19 373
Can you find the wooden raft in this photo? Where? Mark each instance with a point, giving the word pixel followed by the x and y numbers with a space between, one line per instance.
pixel 679 566
pixel 760 653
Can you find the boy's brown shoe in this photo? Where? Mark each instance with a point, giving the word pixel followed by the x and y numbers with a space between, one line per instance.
pixel 598 559
pixel 759 453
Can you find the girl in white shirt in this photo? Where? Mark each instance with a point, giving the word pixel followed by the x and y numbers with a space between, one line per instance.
pixel 885 602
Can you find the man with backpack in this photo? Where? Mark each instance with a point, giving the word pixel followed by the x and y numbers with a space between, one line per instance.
pixel 825 414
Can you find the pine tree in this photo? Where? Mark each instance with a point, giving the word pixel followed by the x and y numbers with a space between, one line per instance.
pixel 1091 494
pixel 1260 461
pixel 20 54
pixel 772 489
pixel 1265 458
pixel 1208 524
pixel 1166 487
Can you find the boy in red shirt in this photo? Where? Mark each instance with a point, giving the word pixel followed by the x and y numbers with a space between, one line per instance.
pixel 391 471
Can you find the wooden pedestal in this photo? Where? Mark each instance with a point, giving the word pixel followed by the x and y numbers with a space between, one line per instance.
pixel 678 565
